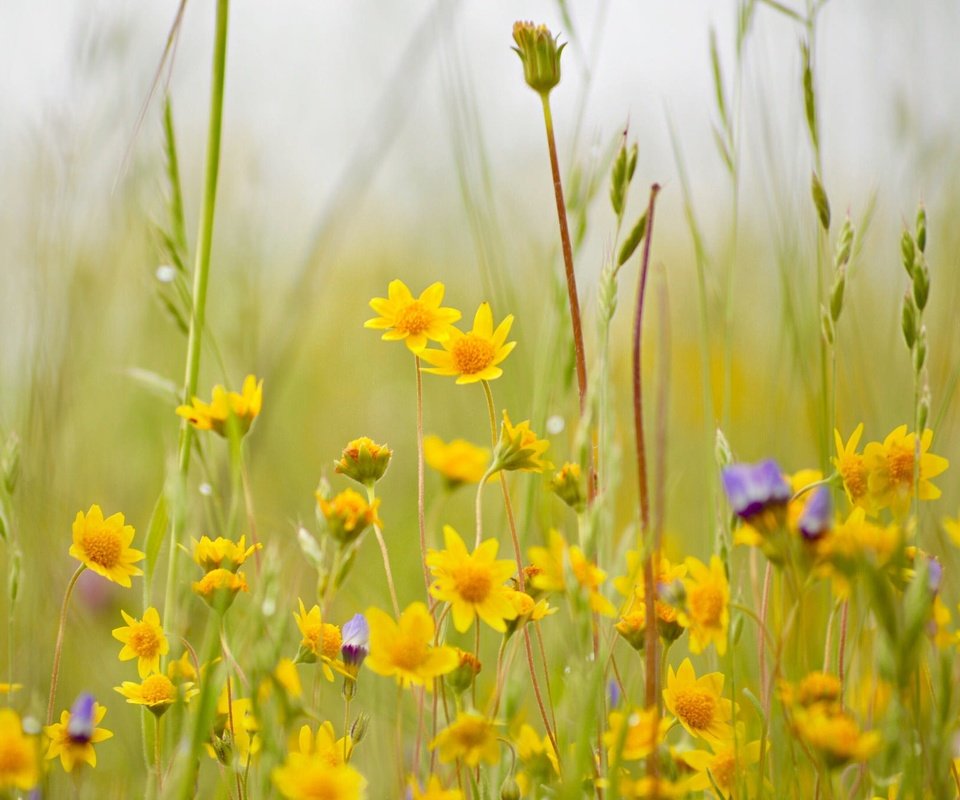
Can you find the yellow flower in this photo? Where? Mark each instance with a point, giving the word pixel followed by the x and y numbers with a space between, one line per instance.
pixel 405 649
pixel 434 791
pixel 835 735
pixel 211 554
pixel 103 545
pixel 413 321
pixel 470 737
pixel 288 678
pixel 567 484
pixel 182 669
pixel 473 356
pixel 143 640
pixel 891 467
pixel 547 575
pixel 458 462
pixel 853 471
pixel 156 692
pixel 632 624
pixel 7 688
pixel 18 753
pixel 243 407
pixel 235 739
pixel 645 730
pixel 364 460
pixel 73 737
pixel 528 609
pixel 698 703
pixel 650 787
pixel 321 640
pixel 519 448
pixel 952 526
pixel 324 744
pixel 706 613
pixel 726 765
pixel 590 578
pixel 815 688
pixel 310 777
pixel 348 514
pixel 841 553
pixel 472 583
pixel 219 586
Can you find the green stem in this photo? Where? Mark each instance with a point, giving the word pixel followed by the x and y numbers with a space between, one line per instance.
pixel 58 649
pixel 385 555
pixel 200 279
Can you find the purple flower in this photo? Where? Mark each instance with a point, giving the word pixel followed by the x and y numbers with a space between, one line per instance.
pixel 356 641
pixel 934 573
pixel 751 488
pixel 817 514
pixel 80 727
pixel 613 694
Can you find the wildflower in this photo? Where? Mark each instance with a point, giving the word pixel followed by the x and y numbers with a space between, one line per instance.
pixel 364 460
pixel 853 472
pixel 182 669
pixel 143 640
pixel 434 791
pixel 706 613
pixel 323 744
pixel 356 642
pixel 852 542
pixel 73 737
pixel 891 468
pixel 538 758
pixel 473 583
pixel 519 448
pixel 567 484
pixel 220 553
pixel 321 640
pixel 952 526
pixel 757 491
pixel 540 53
pixel 650 787
pixel 103 545
pixel 457 462
pixel 413 321
pixel 632 624
pixel 834 735
pixel 725 766
pixel 473 356
pixel 157 693
pixel 644 732
pixel 288 678
pixel 224 406
pixel 470 737
pixel 348 514
pixel 404 649
pixel 465 673
pixel 698 703
pixel 527 609
pixel 18 753
pixel 303 777
pixel 547 575
pixel 236 731
pixel 817 515
pixel 219 587
pixel 590 578
pixel 815 688
pixel 939 625
pixel 8 688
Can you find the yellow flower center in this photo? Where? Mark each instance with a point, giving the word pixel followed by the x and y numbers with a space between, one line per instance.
pixel 818 688
pixel 330 640
pixel 14 756
pixel 854 476
pixel 723 768
pixel 103 547
pixel 144 640
pixel 470 733
pixel 414 318
pixel 471 354
pixel 408 653
pixel 706 604
pixel 695 707
pixel 157 690
pixel 472 582
pixel 320 786
pixel 900 465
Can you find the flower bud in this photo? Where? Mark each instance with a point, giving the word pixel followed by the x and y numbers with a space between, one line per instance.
pixel 519 448
pixel 921 228
pixel 540 53
pixel 921 284
pixel 364 460
pixel 908 252
pixel 463 676
pixel 510 790
pixel 347 515
pixel 568 486
pixel 908 320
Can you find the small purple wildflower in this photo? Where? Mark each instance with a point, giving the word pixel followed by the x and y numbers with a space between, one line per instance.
pixel 934 573
pixel 751 488
pixel 613 694
pixel 817 514
pixel 80 727
pixel 356 641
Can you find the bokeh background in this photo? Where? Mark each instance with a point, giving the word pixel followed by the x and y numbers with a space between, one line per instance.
pixel 365 141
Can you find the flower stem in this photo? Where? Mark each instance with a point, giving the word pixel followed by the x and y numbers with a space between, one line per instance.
pixel 572 296
pixel 421 517
pixel 201 276
pixel 385 555
pixel 58 649
pixel 157 757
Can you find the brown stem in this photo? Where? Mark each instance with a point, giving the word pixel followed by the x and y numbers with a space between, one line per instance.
pixel 58 649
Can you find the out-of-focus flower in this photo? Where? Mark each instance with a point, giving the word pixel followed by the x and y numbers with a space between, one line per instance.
pixel 73 737
pixel 834 735
pixel 470 737
pixel 103 545
pixel 348 514
pixel 434 791
pixel 519 448
pixel 219 587
pixel 414 321
pixel 706 612
pixel 817 516
pixel 637 733
pixel 891 468
pixel 725 766
pixel 303 777
pixel 364 460
pixel 18 767
pixel 537 758
pixel 224 405
pixel 567 484
pixel 465 673
pixel 220 553
pixel 757 492
pixel 458 462
pixel 473 356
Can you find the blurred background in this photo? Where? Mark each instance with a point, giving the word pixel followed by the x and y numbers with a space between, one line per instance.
pixel 366 141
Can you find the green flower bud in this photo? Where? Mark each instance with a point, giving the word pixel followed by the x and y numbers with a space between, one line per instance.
pixel 908 320
pixel 540 53
pixel 364 460
pixel 921 228
pixel 567 484
pixel 510 790
pixel 921 284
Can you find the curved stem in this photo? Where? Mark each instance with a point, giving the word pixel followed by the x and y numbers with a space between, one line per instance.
pixel 761 647
pixel 386 557
pixel 58 649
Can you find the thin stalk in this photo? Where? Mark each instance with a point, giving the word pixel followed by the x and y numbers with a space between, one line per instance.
pixel 762 645
pixel 842 644
pixel 58 648
pixel 157 756
pixel 201 277
pixel 386 557
pixel 572 296
pixel 421 517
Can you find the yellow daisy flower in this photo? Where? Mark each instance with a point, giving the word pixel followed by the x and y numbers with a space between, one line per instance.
pixel 548 575
pixel 219 586
pixel 321 640
pixel 182 669
pixel 834 735
pixel 243 406
pixel 590 578
pixel 348 514
pixel 726 764
pixel 538 758
pixel 472 583
pixel 73 737
pixel 364 460
pixel 458 462
pixel 470 737
pixel 323 744
pixel 143 640
pixel 706 613
pixel 103 545
pixel 645 730
pixel 413 321
pixel 405 649
pixel 473 356
pixel 519 448
pixel 853 471
pixel 308 777
pixel 952 526
pixel 698 703
pixel 815 688
pixel 434 791
pixel 220 553
pixel 156 692
pixel 891 466
pixel 18 753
